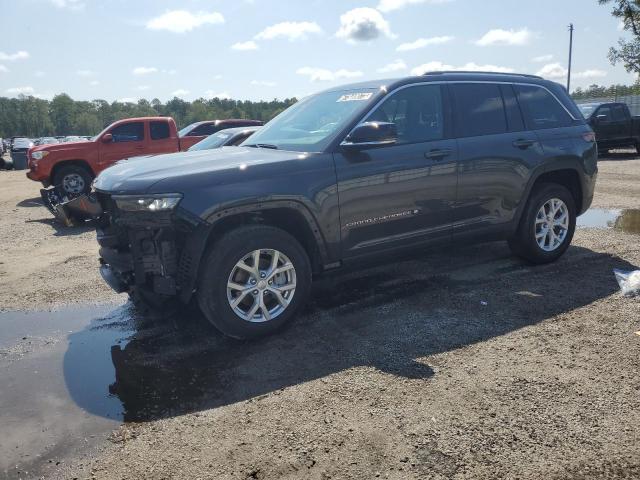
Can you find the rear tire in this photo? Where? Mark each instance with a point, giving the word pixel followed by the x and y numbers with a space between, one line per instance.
pixel 530 241
pixel 277 287
pixel 73 179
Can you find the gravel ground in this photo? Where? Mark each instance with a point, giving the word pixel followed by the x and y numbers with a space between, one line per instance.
pixel 465 364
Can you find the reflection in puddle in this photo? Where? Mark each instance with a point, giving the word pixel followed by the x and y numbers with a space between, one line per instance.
pixel 627 221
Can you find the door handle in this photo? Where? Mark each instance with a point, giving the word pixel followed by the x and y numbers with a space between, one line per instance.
pixel 524 144
pixel 140 147
pixel 438 153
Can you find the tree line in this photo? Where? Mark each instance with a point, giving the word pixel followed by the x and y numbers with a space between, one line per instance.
pixel 612 91
pixel 35 117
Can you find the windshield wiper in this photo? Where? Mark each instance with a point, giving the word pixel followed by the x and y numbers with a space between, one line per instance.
pixel 262 145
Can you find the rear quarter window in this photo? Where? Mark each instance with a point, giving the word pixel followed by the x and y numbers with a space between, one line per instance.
pixel 159 130
pixel 541 109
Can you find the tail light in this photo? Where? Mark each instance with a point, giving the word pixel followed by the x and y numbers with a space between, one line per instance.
pixel 589 137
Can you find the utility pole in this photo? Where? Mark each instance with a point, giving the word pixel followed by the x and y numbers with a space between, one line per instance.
pixel 570 54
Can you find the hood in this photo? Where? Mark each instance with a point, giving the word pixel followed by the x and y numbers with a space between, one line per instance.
pixel 140 175
pixel 62 147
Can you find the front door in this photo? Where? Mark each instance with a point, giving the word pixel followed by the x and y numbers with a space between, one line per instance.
pixel 128 141
pixel 400 194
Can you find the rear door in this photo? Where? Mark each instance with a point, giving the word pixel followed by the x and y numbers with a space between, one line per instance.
pixel 160 140
pixel 129 140
pixel 400 194
pixel 622 120
pixel 496 156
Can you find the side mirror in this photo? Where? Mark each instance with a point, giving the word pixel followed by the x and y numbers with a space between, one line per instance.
pixel 372 134
pixel 107 138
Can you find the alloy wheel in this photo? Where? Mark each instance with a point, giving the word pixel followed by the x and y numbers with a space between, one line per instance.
pixel 73 183
pixel 552 224
pixel 261 285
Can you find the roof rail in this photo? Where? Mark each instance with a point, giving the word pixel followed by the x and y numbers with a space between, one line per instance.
pixel 449 72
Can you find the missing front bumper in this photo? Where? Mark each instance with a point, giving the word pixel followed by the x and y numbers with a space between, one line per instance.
pixel 69 209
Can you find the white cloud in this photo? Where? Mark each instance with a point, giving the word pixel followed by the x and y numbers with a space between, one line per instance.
pixel 142 88
pixel 21 91
pixel 210 94
pixel 69 4
pixel 127 100
pixel 3 69
pixel 505 37
pixel 552 70
pixel 467 67
pixel 424 42
pixel 85 73
pixel 289 30
pixel 170 72
pixel 39 73
pixel 542 58
pixel 245 46
pixel 263 83
pixel 144 70
pixel 363 24
pixel 558 71
pixel 217 77
pixel 10 57
pixel 395 66
pixel 590 74
pixel 94 83
pixel 325 75
pixel 390 5
pixel 181 21
pixel 181 92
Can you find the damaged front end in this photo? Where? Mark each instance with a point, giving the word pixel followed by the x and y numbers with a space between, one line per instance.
pixel 145 244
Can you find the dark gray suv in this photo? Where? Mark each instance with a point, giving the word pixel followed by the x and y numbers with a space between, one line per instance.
pixel 355 172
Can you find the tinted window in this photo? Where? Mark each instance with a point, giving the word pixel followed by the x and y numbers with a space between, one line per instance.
pixel 619 115
pixel 206 129
pixel 479 109
pixel 159 130
pixel 240 138
pixel 128 132
pixel 416 111
pixel 541 109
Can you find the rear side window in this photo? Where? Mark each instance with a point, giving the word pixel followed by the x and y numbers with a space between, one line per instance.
pixel 159 130
pixel 128 132
pixel 541 109
pixel 479 109
pixel 619 115
pixel 416 111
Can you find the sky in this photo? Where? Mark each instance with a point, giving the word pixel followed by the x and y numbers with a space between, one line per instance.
pixel 264 49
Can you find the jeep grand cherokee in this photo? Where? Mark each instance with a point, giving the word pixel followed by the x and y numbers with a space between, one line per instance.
pixel 353 172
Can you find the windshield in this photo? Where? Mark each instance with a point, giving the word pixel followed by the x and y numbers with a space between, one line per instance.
pixel 186 130
pixel 212 141
pixel 587 109
pixel 311 124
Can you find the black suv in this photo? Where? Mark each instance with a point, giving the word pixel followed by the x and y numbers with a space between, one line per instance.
pixel 355 171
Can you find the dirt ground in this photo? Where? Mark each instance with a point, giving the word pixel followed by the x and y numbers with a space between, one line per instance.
pixel 452 365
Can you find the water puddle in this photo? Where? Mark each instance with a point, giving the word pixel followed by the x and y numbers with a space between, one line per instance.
pixel 627 220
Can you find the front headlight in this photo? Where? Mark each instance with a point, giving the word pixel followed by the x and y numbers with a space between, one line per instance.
pixel 147 203
pixel 39 155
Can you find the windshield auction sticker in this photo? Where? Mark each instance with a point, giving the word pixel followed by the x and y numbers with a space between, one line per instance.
pixel 355 97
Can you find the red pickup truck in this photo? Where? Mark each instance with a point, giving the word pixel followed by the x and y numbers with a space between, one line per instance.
pixel 73 166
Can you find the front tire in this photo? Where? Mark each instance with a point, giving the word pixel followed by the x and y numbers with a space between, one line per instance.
pixel 253 281
pixel 73 179
pixel 547 225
